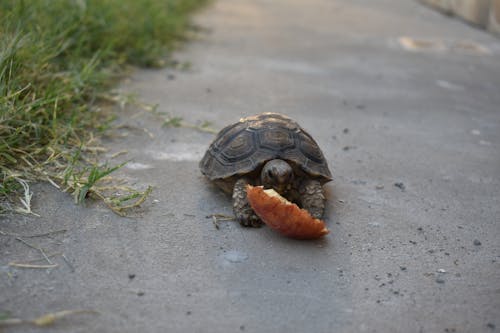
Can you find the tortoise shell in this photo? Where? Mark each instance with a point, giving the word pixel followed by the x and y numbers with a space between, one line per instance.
pixel 244 147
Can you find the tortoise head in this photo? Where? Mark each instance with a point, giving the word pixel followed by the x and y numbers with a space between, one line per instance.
pixel 277 174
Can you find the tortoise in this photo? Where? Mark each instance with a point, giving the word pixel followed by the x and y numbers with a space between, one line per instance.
pixel 272 150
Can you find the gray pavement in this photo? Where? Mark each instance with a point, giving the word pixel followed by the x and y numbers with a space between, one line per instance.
pixel 423 256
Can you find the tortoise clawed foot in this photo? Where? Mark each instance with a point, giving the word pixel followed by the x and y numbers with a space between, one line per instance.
pixel 242 210
pixel 312 197
pixel 317 213
pixel 250 220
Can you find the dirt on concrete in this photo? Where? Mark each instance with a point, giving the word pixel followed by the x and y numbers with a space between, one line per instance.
pixel 410 125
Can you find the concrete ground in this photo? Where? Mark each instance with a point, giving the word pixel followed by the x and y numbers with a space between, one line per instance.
pixel 410 127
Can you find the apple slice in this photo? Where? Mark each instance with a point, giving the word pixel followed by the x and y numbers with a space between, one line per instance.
pixel 283 215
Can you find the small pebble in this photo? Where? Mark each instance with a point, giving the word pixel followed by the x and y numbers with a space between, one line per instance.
pixel 400 185
pixel 439 280
pixel 491 326
pixel 140 293
pixel 475 132
pixel 484 143
pixel 346 130
pixel 442 271
pixel 477 242
pixel 131 276
pixel 379 187
pixel 403 268
pixel 234 256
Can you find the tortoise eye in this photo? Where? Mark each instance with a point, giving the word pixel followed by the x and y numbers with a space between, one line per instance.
pixel 270 174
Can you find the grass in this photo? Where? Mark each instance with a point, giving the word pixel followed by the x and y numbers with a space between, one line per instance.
pixel 57 60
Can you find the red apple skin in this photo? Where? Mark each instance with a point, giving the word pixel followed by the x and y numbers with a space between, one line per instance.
pixel 284 216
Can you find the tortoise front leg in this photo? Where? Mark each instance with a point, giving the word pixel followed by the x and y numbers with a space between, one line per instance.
pixel 312 197
pixel 241 208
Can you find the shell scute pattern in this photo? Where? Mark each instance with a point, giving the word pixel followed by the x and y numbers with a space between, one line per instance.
pixel 245 146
